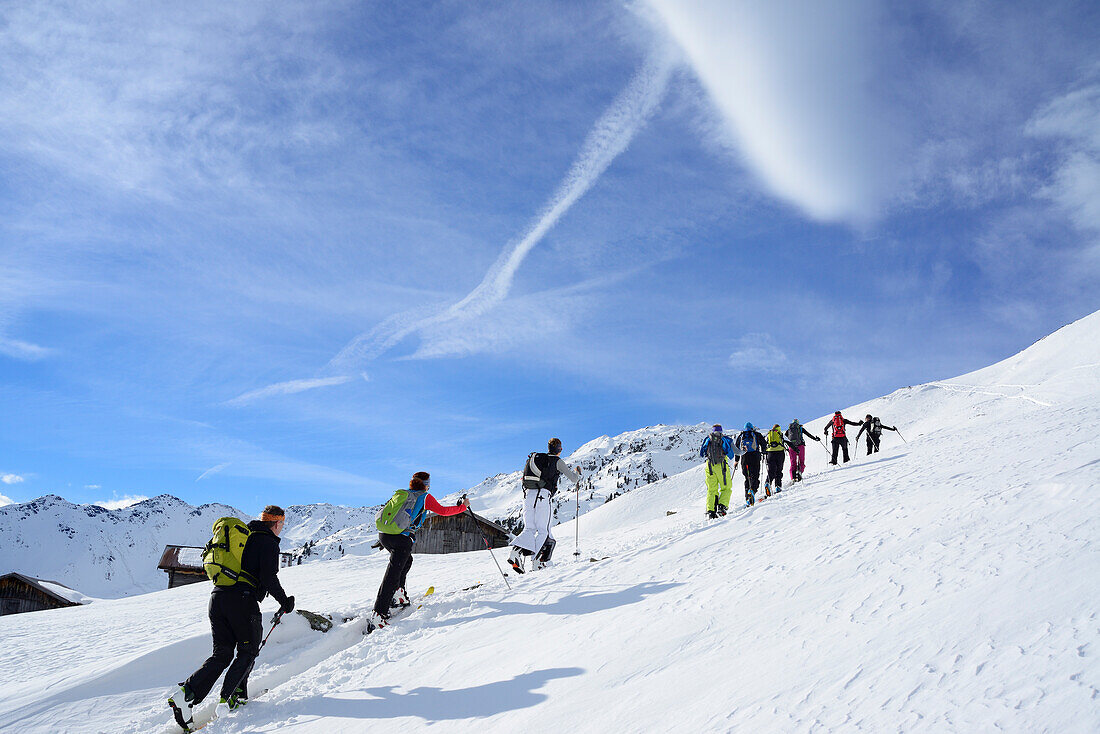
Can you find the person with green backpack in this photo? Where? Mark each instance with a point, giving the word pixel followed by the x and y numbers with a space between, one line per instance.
pixel 776 452
pixel 243 562
pixel 397 523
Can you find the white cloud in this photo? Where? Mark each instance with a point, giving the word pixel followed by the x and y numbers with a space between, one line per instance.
pixel 287 388
pixel 93 486
pixel 1074 120
pixel 6 500
pixel 212 470
pixel 757 352
pixel 11 479
pixel 792 80
pixel 22 350
pixel 609 137
pixel 118 503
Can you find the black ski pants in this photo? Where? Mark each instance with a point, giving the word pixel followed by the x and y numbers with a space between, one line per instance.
pixel 750 467
pixel 776 459
pixel 401 560
pixel 872 443
pixel 235 623
pixel 838 444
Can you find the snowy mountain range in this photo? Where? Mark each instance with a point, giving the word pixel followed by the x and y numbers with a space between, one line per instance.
pixel 111 553
pixel 944 584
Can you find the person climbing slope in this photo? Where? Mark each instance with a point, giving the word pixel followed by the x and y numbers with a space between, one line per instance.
pixel 751 445
pixel 234 610
pixel 397 523
pixel 540 483
pixel 840 439
pixel 874 429
pixel 716 448
pixel 776 453
pixel 796 440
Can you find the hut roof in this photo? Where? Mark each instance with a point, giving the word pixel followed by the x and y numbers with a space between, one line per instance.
pixel 53 589
pixel 181 558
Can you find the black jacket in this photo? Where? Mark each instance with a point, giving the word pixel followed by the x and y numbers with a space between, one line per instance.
pixel 869 426
pixel 261 560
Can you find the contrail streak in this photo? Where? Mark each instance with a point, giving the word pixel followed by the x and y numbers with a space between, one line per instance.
pixel 609 137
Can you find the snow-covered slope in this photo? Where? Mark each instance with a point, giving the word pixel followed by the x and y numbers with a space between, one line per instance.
pixel 609 467
pixel 113 553
pixel 947 584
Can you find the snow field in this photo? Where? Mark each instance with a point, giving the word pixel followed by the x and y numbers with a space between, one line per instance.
pixel 946 584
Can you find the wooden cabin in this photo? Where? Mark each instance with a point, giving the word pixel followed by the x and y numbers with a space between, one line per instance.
pixel 19 593
pixel 459 533
pixel 183 564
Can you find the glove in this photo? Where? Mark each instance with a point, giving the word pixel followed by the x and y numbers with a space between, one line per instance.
pixel 288 605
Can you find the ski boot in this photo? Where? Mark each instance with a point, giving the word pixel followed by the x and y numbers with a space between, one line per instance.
pixel 722 510
pixel 712 515
pixel 181 701
pixel 750 498
pixel 767 490
pixel 515 560
pixel 375 621
pixel 400 599
pixel 540 564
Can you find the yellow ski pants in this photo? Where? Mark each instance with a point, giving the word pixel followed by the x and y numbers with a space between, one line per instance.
pixel 719 485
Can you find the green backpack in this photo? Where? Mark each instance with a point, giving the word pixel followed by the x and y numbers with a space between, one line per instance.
pixel 221 558
pixel 395 517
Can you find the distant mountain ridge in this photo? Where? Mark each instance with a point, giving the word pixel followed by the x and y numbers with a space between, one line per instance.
pixel 110 553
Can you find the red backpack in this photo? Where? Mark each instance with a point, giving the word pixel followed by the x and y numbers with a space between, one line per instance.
pixel 838 426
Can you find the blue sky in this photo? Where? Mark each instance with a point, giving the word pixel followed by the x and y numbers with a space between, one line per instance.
pixel 295 253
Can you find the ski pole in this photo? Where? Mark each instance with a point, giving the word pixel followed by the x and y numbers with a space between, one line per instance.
pixel 577 548
pixel 488 547
pixel 274 623
pixel 900 436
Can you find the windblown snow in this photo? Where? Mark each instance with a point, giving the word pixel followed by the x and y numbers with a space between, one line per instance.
pixel 944 584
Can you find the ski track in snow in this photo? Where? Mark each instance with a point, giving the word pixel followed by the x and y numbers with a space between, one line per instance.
pixel 945 584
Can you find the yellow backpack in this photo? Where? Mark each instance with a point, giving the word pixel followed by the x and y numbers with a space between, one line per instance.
pixel 221 558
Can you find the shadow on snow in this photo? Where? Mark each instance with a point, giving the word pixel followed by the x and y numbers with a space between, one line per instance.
pixel 434 704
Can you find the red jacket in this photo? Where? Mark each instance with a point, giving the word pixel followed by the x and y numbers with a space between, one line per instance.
pixel 433 506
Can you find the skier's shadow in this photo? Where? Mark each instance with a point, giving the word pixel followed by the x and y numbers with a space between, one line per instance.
pixel 437 704
pixel 579 602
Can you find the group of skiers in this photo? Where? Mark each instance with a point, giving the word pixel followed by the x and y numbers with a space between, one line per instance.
pixel 752 450
pixel 244 567
pixel 244 564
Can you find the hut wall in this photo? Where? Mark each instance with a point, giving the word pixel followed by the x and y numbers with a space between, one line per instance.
pixel 456 534
pixel 16 597
pixel 182 578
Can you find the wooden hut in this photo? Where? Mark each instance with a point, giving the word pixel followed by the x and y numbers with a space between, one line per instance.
pixel 183 564
pixel 459 533
pixel 19 593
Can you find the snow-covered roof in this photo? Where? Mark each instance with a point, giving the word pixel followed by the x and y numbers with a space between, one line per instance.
pixel 51 588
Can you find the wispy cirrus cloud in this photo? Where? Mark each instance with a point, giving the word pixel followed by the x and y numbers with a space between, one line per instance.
pixel 289 387
pixel 212 471
pixel 757 352
pixel 1073 121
